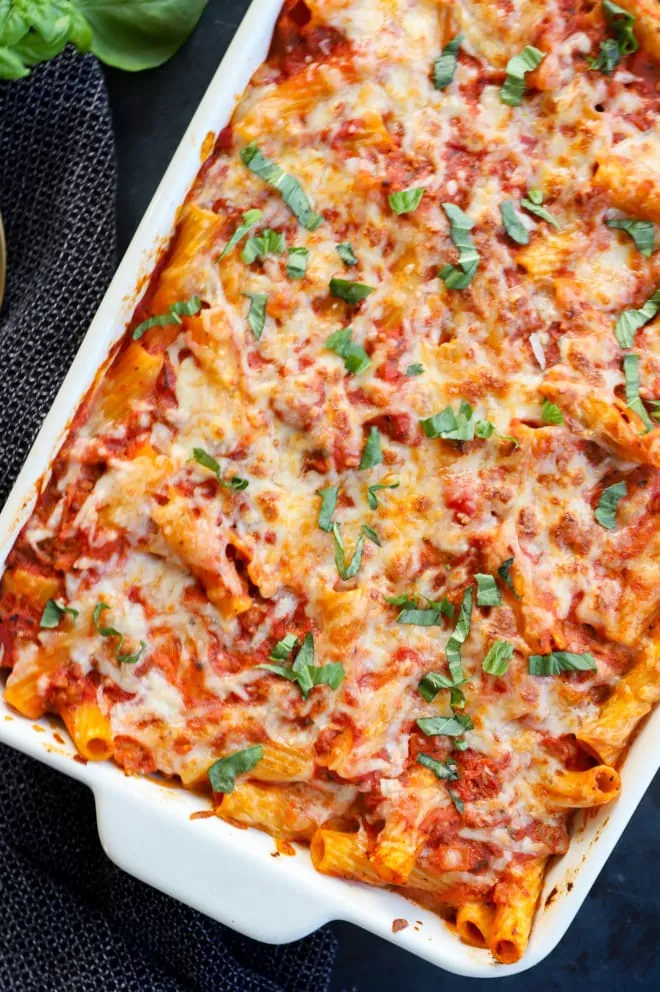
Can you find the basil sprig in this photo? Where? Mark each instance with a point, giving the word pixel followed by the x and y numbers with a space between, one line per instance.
pixel 633 399
pixel 605 512
pixel 222 773
pixel 560 661
pixel 303 671
pixel 203 458
pixel 250 218
pixel 630 321
pixel 355 357
pixel 516 69
pixel 123 659
pixel 184 308
pixel 53 613
pixel 406 201
pixel 289 188
pixel 444 66
pixel 641 231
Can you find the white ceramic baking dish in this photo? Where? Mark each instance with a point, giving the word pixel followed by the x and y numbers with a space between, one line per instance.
pixel 236 876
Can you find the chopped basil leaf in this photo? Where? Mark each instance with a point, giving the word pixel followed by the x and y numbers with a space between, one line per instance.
pixel 620 23
pixel 283 648
pixel 415 369
pixel 497 659
pixel 460 226
pixel 53 613
pixel 459 426
pixel 250 218
pixel 420 618
pixel 484 429
pixel 456 799
pixel 222 773
pixel 516 70
pixel 289 188
pixel 432 683
pixel 269 242
pixel 415 612
pixel 184 308
pixel 372 454
pixel 346 253
pixel 605 512
pixel 372 499
pixel 641 231
pixel 513 225
pixel 257 312
pixel 453 278
pixel 551 413
pixel 351 292
pixel 504 572
pixel 560 661
pixel 405 201
pixel 458 638
pixel 460 745
pixel 655 408
pixel 445 770
pixel 532 204
pixel 631 320
pixel 608 57
pixel 633 399
pixel 445 726
pixel 351 570
pixel 355 358
pixel 203 458
pixel 371 534
pixel 487 592
pixel 125 659
pixel 296 267
pixel 328 504
pixel 444 66
pixel 303 671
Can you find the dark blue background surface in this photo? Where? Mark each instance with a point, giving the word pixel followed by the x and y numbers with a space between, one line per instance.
pixel 614 940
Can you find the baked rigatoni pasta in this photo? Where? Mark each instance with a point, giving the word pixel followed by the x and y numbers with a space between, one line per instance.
pixel 358 529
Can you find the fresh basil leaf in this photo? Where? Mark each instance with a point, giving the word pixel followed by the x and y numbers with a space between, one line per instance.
pixel 444 66
pixel 96 616
pixel 420 618
pixel 124 659
pixel 282 670
pixel 445 726
pixel 331 674
pixel 551 413
pixel 185 308
pixel 351 292
pixel 372 499
pixel 283 648
pixel 460 226
pixel 641 231
pixel 444 770
pixel 53 613
pixel 516 70
pixel 460 745
pixel 633 399
pixel 432 683
pixel 560 661
pixel 456 799
pixel 406 201
pixel 289 188
pixel 130 659
pixel 269 242
pixel 222 773
pixel 236 483
pixel 456 698
pixel 355 358
pixel 372 454
pixel 346 253
pixel 296 267
pixel 498 657
pixel 203 458
pixel 620 23
pixel 484 429
pixel 452 426
pixel 487 592
pixel 371 534
pixel 608 58
pixel 136 36
pixel 347 571
pixel 532 204
pixel 631 320
pixel 250 218
pixel 415 369
pixel 453 278
pixel 513 225
pixel 257 313
pixel 328 505
pixel 605 512
pixel 655 408
pixel 303 664
pixel 504 572
pixel 458 638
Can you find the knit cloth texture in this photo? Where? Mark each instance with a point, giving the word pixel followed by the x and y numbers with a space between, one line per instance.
pixel 71 920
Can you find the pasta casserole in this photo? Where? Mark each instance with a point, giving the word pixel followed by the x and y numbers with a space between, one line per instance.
pixel 357 531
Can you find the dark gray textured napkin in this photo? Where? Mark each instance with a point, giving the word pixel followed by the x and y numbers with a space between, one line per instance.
pixel 71 920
